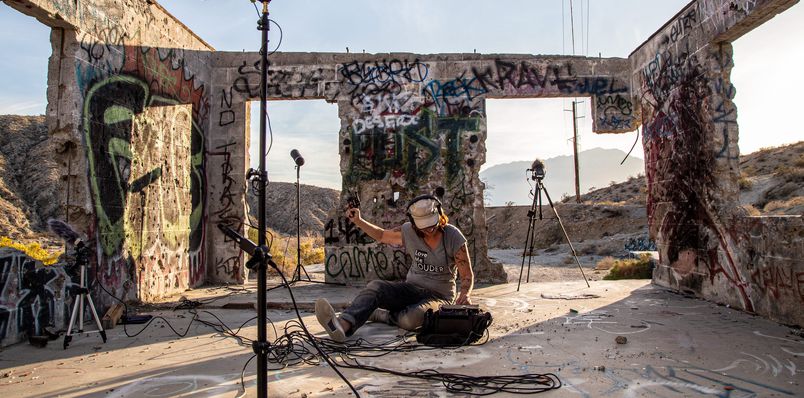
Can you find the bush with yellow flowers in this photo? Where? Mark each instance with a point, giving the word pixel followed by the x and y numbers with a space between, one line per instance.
pixel 33 250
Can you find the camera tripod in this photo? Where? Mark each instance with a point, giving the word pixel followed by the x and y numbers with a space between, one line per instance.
pixel 529 238
pixel 81 260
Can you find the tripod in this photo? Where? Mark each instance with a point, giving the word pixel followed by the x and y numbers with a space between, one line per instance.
pixel 529 239
pixel 299 267
pixel 81 260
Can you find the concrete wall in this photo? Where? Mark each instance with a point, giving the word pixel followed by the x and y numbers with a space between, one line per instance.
pixel 128 117
pixel 148 129
pixel 708 245
pixel 410 124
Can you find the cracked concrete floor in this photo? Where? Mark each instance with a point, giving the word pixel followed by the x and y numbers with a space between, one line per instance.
pixel 676 346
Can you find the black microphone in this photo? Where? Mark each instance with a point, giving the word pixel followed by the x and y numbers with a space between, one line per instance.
pixel 297 157
pixel 64 231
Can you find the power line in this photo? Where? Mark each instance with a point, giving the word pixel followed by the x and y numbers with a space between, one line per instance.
pixel 572 27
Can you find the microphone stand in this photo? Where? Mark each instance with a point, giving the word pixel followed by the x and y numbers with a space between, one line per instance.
pixel 299 267
pixel 259 252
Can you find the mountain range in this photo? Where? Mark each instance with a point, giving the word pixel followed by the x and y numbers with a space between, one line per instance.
pixel 509 183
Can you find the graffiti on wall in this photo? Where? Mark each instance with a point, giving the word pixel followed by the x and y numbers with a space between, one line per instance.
pixel 364 262
pixel 146 167
pixel 31 297
pixel 411 133
pixel 687 98
pixel 228 208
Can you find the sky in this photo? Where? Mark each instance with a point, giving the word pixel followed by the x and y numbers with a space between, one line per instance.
pixel 766 74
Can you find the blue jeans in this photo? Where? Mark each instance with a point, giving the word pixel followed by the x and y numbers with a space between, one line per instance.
pixel 405 301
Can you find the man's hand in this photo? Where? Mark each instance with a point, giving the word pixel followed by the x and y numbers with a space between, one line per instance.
pixel 353 214
pixel 463 299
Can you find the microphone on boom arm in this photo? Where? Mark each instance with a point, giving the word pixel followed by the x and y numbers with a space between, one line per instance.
pixel 297 157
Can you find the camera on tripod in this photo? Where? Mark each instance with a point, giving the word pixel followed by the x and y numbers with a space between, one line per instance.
pixel 81 255
pixel 537 170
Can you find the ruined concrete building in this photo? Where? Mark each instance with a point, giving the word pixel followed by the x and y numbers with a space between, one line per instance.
pixel 149 130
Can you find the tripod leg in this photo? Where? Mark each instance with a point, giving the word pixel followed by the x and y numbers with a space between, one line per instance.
pixel 561 224
pixel 97 319
pixel 538 203
pixel 528 241
pixel 81 300
pixel 69 335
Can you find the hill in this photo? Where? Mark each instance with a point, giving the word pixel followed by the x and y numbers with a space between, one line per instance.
pixel 598 167
pixel 28 179
pixel 771 183
pixel 772 180
pixel 280 201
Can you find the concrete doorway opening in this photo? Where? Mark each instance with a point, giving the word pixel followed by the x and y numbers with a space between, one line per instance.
pixel 522 130
pixel 612 211
pixel 765 82
pixel 311 127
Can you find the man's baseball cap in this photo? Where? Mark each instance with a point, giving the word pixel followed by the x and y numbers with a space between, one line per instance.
pixel 424 213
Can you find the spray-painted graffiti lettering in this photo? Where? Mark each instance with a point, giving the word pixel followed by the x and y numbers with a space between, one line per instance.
pixel 366 262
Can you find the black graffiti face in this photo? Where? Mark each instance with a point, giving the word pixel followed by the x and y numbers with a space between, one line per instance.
pixel 108 118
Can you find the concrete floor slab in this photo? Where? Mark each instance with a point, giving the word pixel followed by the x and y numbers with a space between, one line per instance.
pixel 676 346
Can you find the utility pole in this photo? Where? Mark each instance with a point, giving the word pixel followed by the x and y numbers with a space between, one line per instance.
pixel 575 149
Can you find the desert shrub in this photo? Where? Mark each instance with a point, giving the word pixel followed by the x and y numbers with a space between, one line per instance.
pixel 799 163
pixel 751 210
pixel 784 204
pixel 745 183
pixel 605 263
pixel 631 268
pixel 311 254
pixel 32 250
pixel 788 174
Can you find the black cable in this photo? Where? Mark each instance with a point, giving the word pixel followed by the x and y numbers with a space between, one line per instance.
pixel 312 339
pixel 291 348
pixel 184 303
pixel 632 147
pixel 281 34
pixel 295 343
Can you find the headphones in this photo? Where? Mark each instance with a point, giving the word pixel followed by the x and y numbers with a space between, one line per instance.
pixel 419 199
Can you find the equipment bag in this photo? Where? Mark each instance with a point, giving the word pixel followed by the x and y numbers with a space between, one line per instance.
pixel 453 325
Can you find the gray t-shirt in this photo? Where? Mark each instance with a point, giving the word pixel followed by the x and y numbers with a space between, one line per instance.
pixel 433 269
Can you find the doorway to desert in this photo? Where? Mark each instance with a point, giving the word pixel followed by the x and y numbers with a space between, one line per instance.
pixel 522 130
pixel 766 81
pixel 309 127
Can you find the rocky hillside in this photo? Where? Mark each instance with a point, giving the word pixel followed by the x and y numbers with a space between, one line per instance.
pixel 771 182
pixel 280 200
pixel 601 229
pixel 27 180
